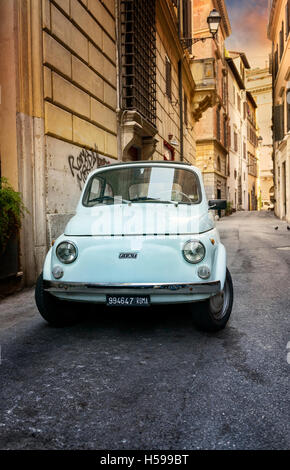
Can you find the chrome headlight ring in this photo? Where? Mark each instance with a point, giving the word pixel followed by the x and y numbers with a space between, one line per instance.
pixel 193 251
pixel 66 252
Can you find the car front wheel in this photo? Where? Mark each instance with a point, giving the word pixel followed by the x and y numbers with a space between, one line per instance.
pixel 214 313
pixel 53 310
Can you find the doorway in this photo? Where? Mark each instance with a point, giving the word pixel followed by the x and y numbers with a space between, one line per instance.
pixel 219 196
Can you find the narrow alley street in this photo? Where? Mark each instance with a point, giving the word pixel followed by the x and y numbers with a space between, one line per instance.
pixel 147 379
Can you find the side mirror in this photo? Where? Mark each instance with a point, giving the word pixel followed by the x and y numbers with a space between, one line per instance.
pixel 217 204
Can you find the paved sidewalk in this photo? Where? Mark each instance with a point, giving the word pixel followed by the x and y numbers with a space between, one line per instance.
pixel 17 307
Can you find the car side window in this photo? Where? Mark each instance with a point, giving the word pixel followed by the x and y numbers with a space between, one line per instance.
pixel 99 189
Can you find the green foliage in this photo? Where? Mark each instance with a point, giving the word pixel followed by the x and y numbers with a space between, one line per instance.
pixel 260 201
pixel 11 211
pixel 229 209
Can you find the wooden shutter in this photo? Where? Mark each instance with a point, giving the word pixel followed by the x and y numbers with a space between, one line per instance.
pixel 168 78
pixel 276 63
pixel 235 141
pixel 185 110
pixel 288 110
pixel 288 4
pixel 282 120
pixel 218 124
pixel 278 122
pixel 187 22
pixel 287 18
pixel 282 40
pixel 225 132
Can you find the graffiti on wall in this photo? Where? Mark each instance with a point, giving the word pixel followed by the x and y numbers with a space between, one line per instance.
pixel 84 163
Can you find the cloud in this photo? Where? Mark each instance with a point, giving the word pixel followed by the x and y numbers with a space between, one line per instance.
pixel 249 20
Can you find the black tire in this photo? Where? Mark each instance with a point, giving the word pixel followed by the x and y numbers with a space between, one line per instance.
pixel 214 313
pixel 54 311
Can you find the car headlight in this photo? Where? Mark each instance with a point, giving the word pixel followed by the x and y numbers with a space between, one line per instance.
pixel 193 251
pixel 66 252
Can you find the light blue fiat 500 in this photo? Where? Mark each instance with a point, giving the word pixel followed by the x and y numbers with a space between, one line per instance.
pixel 143 234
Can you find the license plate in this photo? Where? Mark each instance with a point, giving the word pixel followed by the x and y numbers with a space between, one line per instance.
pixel 128 301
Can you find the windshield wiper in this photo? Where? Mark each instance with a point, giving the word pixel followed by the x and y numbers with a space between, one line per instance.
pixel 144 198
pixel 109 198
pixel 152 199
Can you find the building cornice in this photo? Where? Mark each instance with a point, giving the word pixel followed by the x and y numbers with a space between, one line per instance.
pixel 243 57
pixel 256 91
pixel 275 7
pixel 235 72
pixel 226 25
pixel 214 141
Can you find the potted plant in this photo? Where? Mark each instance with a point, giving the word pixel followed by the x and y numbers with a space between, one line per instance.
pixel 229 209
pixel 11 211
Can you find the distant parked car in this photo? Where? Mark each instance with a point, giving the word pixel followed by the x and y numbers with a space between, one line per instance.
pixel 143 234
pixel 266 205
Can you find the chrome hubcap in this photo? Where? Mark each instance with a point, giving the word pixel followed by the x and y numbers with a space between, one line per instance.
pixel 219 303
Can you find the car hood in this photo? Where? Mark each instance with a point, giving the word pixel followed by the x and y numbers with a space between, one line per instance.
pixel 140 219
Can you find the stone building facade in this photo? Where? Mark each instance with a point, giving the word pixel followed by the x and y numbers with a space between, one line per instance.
pixel 259 83
pixel 149 133
pixel 71 100
pixel 59 89
pixel 237 183
pixel 253 193
pixel 212 129
pixel 279 34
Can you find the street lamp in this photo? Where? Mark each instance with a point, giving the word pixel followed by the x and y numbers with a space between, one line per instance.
pixel 213 21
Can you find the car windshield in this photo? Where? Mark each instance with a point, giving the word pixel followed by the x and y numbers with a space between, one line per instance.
pixel 143 184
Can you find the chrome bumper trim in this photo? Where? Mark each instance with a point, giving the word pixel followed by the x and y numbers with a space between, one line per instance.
pixel 132 288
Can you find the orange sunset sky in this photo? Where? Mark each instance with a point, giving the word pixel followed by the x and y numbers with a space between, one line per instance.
pixel 249 20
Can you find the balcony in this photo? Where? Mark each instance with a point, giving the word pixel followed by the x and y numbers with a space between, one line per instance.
pixel 205 93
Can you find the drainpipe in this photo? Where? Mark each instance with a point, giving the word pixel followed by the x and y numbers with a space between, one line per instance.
pixel 180 107
pixel 273 131
pixel 119 111
pixel 180 86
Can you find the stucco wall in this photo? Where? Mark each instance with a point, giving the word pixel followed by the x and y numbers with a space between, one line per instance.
pixel 8 141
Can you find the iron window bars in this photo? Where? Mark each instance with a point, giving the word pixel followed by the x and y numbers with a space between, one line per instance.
pixel 138 57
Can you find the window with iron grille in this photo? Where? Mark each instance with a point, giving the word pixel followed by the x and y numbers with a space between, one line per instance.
pixel 138 55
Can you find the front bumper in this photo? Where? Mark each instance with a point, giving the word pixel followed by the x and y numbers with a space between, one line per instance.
pixel 90 289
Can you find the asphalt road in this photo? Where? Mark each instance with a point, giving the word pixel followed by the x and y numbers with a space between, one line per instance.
pixel 147 379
